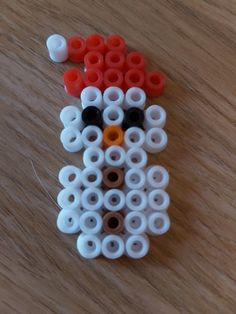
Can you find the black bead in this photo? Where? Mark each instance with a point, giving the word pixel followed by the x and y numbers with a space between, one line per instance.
pixel 133 117
pixel 91 115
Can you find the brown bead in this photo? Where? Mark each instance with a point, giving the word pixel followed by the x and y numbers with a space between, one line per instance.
pixel 113 223
pixel 113 178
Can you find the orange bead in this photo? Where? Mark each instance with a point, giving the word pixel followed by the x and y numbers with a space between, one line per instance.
pixel 113 135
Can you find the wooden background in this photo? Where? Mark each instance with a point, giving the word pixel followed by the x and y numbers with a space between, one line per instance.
pixel 192 268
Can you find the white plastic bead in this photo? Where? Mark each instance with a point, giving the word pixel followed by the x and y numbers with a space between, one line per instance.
pixel 70 116
pixel 69 198
pixel 68 221
pixel 136 200
pixel 155 117
pixel 113 246
pixel 135 97
pixel 136 157
pixel 135 179
pixel 71 139
pixel 93 157
pixel 137 246
pixel 114 200
pixel 90 222
pixel 113 115
pixel 89 245
pixel 158 200
pixel 157 177
pixel 156 140
pixel 115 156
pixel 134 137
pixel 70 176
pixel 158 223
pixel 91 96
pixel 57 48
pixel 91 177
pixel 113 96
pixel 135 222
pixel 92 199
pixel 91 136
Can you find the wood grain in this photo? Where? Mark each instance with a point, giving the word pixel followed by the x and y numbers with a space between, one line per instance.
pixel 192 268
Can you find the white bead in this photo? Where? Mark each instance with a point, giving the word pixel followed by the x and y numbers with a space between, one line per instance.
pixel 113 96
pixel 136 200
pixel 70 116
pixel 155 117
pixel 92 136
pixel 91 177
pixel 158 200
pixel 93 157
pixel 91 96
pixel 135 179
pixel 136 157
pixel 70 176
pixel 68 221
pixel 157 177
pixel 135 222
pixel 134 137
pixel 158 223
pixel 115 156
pixel 91 222
pixel 113 115
pixel 69 198
pixel 89 245
pixel 137 246
pixel 113 246
pixel 57 48
pixel 92 199
pixel 135 97
pixel 156 140
pixel 114 200
pixel 71 139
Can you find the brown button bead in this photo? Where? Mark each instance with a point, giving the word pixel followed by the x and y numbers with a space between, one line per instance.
pixel 113 178
pixel 113 223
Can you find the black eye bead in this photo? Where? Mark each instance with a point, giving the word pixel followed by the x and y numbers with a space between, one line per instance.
pixel 133 117
pixel 91 115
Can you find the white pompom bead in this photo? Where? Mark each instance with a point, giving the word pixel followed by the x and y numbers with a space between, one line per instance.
pixel 91 222
pixel 71 139
pixel 136 200
pixel 135 222
pixel 113 115
pixel 89 245
pixel 93 157
pixel 92 199
pixel 91 96
pixel 135 179
pixel 137 246
pixel 158 223
pixel 57 48
pixel 70 176
pixel 91 136
pixel 68 221
pixel 156 140
pixel 155 117
pixel 158 200
pixel 114 200
pixel 91 177
pixel 134 137
pixel 113 96
pixel 135 97
pixel 69 198
pixel 113 246
pixel 157 177
pixel 136 157
pixel 115 156
pixel 70 116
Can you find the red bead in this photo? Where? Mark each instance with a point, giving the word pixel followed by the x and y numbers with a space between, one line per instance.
pixel 154 83
pixel 95 42
pixel 113 77
pixel 115 60
pixel 134 78
pixel 94 60
pixel 135 60
pixel 116 42
pixel 94 77
pixel 76 49
pixel 73 82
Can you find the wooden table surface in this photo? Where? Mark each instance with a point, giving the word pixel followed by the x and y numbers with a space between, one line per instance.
pixel 192 268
